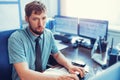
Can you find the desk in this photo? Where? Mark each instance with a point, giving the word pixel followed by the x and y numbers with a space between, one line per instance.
pixel 61 45
pixel 82 54
pixel 78 54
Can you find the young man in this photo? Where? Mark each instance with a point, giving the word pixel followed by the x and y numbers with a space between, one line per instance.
pixel 22 52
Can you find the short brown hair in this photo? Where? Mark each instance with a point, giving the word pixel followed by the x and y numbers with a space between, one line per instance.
pixel 36 6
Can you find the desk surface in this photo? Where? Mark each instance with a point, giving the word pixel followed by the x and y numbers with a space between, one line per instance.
pixel 82 54
pixel 61 45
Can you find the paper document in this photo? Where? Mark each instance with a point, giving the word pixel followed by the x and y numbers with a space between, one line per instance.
pixel 57 70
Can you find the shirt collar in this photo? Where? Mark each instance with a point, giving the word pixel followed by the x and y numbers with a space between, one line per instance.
pixel 33 36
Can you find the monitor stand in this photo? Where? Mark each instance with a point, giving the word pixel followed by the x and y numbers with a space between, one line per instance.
pixel 92 42
pixel 99 57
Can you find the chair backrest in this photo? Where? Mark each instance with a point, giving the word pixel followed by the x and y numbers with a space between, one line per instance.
pixel 5 67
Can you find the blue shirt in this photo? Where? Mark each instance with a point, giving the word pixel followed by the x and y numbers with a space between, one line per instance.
pixel 21 48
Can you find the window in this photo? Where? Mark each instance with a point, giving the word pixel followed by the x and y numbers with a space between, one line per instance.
pixel 93 9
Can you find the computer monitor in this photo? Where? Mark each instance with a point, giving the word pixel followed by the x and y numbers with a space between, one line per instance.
pixel 66 25
pixel 92 29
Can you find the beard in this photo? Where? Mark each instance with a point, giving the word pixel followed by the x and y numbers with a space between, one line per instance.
pixel 35 31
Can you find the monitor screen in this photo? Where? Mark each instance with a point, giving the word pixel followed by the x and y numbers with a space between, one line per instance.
pixel 66 25
pixel 92 29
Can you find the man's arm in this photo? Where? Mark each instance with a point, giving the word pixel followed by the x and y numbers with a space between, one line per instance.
pixel 26 74
pixel 60 58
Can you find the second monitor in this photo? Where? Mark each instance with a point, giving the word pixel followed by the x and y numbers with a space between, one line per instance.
pixel 92 29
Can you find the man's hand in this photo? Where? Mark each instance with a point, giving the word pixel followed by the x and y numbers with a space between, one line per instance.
pixel 59 57
pixel 73 69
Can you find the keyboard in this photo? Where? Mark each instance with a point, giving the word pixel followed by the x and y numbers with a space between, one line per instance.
pixel 86 77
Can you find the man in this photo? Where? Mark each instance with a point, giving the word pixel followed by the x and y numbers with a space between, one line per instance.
pixel 22 50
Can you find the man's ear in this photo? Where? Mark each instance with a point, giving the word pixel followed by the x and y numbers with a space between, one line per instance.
pixel 26 18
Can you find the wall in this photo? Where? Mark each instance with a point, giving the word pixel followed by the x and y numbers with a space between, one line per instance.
pixel 50 4
pixel 94 9
pixel 9 13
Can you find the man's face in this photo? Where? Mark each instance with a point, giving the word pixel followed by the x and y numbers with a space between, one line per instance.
pixel 37 23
